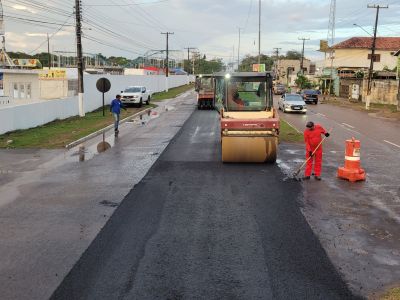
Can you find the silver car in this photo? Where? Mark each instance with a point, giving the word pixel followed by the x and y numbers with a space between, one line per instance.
pixel 292 103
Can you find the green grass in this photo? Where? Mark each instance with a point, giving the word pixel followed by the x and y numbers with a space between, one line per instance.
pixel 393 294
pixel 289 134
pixel 172 93
pixel 59 133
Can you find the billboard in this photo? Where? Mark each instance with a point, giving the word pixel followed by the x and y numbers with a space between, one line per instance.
pixel 323 46
pixel 53 74
pixel 28 62
pixel 258 67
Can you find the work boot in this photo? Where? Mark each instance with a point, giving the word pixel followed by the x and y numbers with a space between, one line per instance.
pixel 317 177
pixel 306 177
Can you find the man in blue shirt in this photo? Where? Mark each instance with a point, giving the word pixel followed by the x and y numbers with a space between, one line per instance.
pixel 115 109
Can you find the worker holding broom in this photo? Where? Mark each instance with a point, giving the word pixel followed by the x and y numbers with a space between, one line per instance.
pixel 313 141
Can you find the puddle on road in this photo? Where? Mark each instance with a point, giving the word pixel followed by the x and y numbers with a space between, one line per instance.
pixel 102 143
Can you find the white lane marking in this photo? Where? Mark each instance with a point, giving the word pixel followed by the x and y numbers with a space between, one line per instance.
pixel 194 136
pixel 345 124
pixel 321 115
pixel 348 129
pixel 292 126
pixel 393 144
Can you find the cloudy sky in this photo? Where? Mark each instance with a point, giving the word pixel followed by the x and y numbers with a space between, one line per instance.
pixel 130 28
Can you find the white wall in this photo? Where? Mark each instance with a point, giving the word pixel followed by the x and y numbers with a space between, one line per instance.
pixel 358 58
pixel 39 113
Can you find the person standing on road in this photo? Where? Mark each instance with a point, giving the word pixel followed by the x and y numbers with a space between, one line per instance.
pixel 313 139
pixel 115 109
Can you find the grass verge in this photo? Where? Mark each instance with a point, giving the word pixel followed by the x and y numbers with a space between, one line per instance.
pixel 59 133
pixel 379 110
pixel 393 294
pixel 289 134
pixel 172 93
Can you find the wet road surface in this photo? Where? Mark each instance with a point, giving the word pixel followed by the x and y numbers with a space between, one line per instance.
pixel 195 228
pixel 53 203
pixel 357 223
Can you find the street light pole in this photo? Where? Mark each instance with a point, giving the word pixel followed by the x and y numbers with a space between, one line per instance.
pixel 238 61
pixel 259 31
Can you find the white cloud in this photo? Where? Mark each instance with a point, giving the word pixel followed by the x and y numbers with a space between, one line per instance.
pixel 22 7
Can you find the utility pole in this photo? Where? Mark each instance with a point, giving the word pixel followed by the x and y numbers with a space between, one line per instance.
pixel 276 50
pixel 188 58
pixel 239 51
pixel 302 55
pixel 48 51
pixel 259 31
pixel 79 52
pixel 371 66
pixel 167 66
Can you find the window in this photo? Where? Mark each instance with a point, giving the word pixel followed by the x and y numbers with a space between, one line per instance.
pixel 21 90
pixel 377 57
pixel 15 91
pixel 28 90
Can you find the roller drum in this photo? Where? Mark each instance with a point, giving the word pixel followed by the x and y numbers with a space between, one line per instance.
pixel 249 149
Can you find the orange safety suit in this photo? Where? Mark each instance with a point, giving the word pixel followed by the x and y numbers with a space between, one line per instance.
pixel 312 138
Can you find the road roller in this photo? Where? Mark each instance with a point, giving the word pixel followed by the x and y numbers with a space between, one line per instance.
pixel 249 123
pixel 205 91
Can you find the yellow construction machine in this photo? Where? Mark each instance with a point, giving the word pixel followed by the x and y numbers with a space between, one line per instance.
pixel 249 123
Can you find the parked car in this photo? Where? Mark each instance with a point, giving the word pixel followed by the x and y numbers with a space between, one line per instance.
pixel 292 103
pixel 310 96
pixel 279 89
pixel 136 95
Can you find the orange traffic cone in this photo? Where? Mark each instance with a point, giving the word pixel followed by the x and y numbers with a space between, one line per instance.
pixel 352 170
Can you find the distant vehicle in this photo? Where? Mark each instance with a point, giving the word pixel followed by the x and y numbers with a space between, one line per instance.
pixel 279 89
pixel 204 86
pixel 292 103
pixel 136 95
pixel 310 96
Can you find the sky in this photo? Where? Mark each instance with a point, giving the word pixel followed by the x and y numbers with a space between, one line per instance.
pixel 132 28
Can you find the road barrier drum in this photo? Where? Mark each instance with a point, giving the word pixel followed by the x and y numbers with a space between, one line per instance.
pixel 352 170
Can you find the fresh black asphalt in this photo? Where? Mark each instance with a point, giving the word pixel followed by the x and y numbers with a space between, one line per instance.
pixel 195 228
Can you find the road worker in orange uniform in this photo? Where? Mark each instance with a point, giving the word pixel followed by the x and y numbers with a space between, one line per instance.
pixel 312 138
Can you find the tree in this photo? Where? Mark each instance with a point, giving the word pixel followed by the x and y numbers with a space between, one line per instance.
pixel 204 66
pixel 303 82
pixel 247 63
pixel 293 55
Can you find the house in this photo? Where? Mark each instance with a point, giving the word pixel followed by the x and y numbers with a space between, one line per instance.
pixel 351 61
pixel 287 69
pixel 355 53
pixel 33 85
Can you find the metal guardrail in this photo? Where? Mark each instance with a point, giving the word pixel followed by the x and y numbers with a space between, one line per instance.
pixel 109 127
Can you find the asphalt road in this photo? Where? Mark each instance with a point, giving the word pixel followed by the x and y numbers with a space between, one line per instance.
pixel 195 228
pixel 357 223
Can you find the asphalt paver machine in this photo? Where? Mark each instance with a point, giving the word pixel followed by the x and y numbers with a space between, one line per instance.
pixel 204 86
pixel 249 123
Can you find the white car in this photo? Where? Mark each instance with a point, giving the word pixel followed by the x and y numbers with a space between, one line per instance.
pixel 292 103
pixel 136 95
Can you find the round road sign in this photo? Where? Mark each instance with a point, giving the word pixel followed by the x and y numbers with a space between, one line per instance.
pixel 103 85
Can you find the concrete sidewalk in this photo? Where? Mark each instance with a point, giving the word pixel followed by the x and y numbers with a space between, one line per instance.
pixel 54 202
